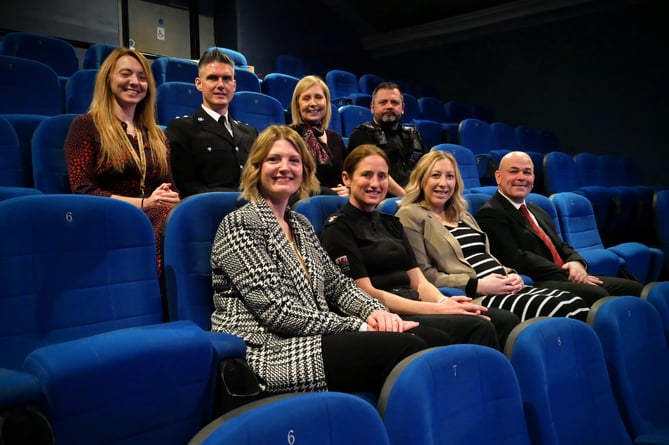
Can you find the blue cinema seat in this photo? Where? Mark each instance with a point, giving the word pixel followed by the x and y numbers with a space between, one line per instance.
pixel 564 383
pixel 621 213
pixel 96 54
pixel 431 132
pixel 176 99
pixel 11 164
pixel 247 80
pixel 319 208
pixel 71 266
pixel 49 166
pixel 25 106
pixel 661 224
pixel 368 82
pixel 411 108
pixel 173 69
pixel 328 418
pixel 257 109
pixel 343 85
pixel 468 166
pixel 432 108
pixel 352 116
pixel 189 233
pixel 79 91
pixel 280 86
pixel 238 58
pixel 460 394
pixel 57 53
pixel 637 356
pixel 657 293
pixel 146 384
pixel 579 229
pixel 560 176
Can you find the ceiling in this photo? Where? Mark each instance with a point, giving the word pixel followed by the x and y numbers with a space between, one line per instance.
pixel 380 16
pixel 392 26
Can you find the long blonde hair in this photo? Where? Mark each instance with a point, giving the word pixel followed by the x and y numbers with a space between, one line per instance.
pixel 114 143
pixel 250 181
pixel 456 206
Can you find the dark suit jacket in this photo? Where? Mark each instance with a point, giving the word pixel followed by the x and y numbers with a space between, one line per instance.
pixel 516 244
pixel 204 157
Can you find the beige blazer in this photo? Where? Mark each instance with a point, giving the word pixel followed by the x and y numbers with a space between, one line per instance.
pixel 437 252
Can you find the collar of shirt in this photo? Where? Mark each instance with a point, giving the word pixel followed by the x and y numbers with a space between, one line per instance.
pixel 214 115
pixel 513 203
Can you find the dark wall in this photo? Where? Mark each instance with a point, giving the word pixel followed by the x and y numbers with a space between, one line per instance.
pixel 307 30
pixel 599 81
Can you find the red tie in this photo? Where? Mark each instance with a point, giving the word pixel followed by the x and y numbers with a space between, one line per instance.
pixel 545 238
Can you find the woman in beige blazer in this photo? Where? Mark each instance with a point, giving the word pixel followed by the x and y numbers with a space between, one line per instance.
pixel 452 251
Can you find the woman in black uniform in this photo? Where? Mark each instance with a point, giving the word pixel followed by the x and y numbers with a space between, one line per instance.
pixel 371 248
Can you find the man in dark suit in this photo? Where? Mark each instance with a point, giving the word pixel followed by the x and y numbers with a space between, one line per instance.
pixel 551 263
pixel 209 148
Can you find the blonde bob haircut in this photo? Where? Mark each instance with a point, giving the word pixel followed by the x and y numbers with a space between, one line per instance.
pixel 114 143
pixel 456 206
pixel 250 182
pixel 303 85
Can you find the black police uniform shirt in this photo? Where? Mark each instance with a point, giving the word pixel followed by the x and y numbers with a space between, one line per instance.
pixel 373 245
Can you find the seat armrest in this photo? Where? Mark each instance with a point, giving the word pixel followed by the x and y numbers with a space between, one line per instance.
pixel 18 388
pixel 227 345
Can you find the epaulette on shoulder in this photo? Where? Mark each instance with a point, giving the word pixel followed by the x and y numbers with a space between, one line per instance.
pixel 331 219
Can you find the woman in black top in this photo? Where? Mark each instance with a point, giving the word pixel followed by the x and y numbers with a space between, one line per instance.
pixel 370 247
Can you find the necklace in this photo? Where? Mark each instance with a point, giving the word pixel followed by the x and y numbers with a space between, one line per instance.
pixel 139 158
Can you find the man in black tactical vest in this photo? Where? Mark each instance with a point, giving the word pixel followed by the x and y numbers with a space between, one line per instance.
pixel 402 143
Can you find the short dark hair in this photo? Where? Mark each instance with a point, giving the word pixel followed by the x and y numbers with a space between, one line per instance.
pixel 214 55
pixel 387 86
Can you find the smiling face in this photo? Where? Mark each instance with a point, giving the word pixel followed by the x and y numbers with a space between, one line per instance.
pixel 515 176
pixel 281 172
pixel 439 184
pixel 128 81
pixel 312 104
pixel 217 83
pixel 369 182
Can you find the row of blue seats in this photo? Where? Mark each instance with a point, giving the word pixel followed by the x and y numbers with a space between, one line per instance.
pixel 573 218
pixel 36 160
pixel 52 257
pixel 562 382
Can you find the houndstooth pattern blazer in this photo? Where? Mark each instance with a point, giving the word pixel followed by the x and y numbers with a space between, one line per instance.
pixel 262 294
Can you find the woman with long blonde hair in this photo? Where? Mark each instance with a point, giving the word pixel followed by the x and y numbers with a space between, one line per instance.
pixel 117 149
pixel 453 251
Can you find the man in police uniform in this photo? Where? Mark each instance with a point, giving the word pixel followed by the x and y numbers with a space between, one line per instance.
pixel 402 144
pixel 208 149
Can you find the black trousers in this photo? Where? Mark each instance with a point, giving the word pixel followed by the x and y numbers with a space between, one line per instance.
pixel 591 293
pixel 361 361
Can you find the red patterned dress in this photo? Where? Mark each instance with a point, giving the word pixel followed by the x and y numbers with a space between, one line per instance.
pixel 82 154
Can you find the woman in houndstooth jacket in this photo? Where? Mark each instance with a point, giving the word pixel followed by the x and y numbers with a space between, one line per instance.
pixel 306 326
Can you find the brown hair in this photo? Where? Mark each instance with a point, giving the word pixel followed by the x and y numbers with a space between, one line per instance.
pixel 359 153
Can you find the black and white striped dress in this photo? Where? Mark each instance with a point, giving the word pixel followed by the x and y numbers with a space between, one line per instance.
pixel 527 303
